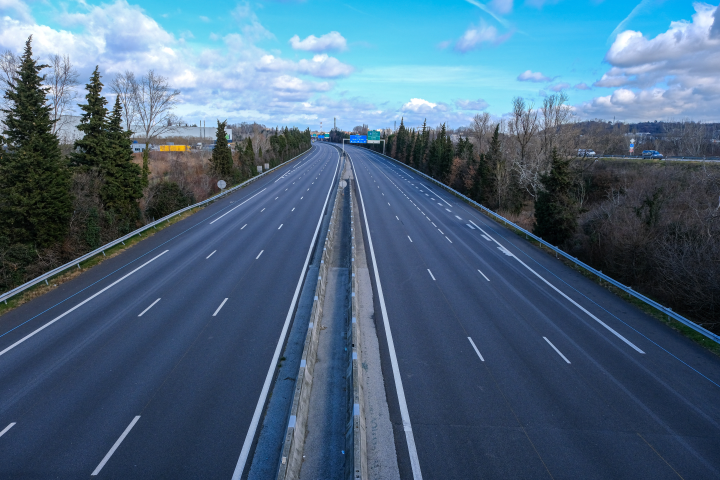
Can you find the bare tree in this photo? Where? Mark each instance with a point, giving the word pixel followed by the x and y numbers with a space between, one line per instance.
pixel 153 101
pixel 124 85
pixel 482 126
pixel 9 65
pixel 523 127
pixel 61 83
pixel 555 114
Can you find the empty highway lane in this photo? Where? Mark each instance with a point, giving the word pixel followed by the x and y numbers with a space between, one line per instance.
pixel 155 363
pixel 500 362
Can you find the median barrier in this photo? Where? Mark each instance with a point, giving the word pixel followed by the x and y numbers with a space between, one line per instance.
pixel 293 446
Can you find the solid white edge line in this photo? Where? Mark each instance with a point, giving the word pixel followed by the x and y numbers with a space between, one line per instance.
pixel 608 327
pixel 243 226
pixel 404 413
pixel 211 254
pixel 5 430
pixel 115 446
pixel 148 308
pixel 476 349
pixel 483 275
pixel 558 351
pixel 242 460
pixel 280 226
pixel 433 276
pixel 410 239
pixel 261 252
pixel 221 216
pixel 218 309
pixel 78 305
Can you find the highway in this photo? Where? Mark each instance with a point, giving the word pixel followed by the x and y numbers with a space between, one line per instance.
pixel 501 362
pixel 157 362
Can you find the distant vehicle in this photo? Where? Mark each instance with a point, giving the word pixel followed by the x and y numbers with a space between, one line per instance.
pixel 651 154
pixel 586 152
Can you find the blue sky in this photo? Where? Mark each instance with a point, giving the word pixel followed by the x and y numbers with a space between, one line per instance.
pixel 374 62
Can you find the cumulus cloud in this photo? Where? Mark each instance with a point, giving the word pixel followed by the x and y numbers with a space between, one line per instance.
pixel 233 80
pixel 478 104
pixel 674 73
pixel 475 36
pixel 530 76
pixel 16 9
pixel 332 41
pixel 321 66
pixel 418 105
pixel 581 86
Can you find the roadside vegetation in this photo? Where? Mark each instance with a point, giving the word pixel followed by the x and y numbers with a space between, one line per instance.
pixel 652 225
pixel 59 201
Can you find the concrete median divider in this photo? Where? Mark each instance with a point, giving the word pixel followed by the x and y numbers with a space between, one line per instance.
pixel 356 464
pixel 293 446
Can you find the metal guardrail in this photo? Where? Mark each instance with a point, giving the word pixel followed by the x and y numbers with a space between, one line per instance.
pixel 667 311
pixel 44 277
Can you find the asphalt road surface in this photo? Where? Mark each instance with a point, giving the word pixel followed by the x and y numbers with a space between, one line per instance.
pixel 156 363
pixel 500 362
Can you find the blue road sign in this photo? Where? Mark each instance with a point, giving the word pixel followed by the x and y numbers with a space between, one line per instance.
pixel 358 138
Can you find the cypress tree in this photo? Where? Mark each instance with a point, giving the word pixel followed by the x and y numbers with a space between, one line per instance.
pixel 123 185
pixel 250 157
pixel 221 160
pixel 35 200
pixel 92 149
pixel 447 154
pixel 555 209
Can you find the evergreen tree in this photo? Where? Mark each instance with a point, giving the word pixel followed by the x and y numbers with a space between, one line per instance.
pixel 495 165
pixel 92 149
pixel 447 154
pixel 35 200
pixel 401 142
pixel 123 185
pixel 221 159
pixel 250 158
pixel 555 209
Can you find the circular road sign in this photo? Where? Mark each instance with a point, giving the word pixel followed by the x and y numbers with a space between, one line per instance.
pixel 221 184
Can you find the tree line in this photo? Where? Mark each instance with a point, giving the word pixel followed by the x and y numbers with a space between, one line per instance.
pixel 653 226
pixel 58 203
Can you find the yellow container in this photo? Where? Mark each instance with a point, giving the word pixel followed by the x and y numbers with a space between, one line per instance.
pixel 173 148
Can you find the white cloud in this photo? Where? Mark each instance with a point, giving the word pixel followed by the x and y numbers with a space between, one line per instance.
pixel 675 73
pixel 231 80
pixel 559 87
pixel 581 86
pixel 530 76
pixel 321 66
pixel 478 104
pixel 418 105
pixel 16 9
pixel 204 18
pixel 332 41
pixel 475 36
